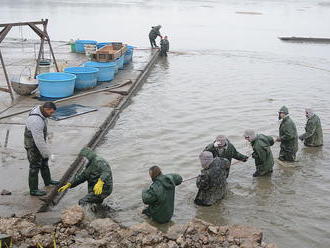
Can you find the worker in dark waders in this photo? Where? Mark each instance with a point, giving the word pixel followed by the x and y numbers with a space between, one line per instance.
pixel 164 47
pixel 212 182
pixel 160 195
pixel 288 136
pixel 98 176
pixel 313 136
pixel 222 148
pixel 35 143
pixel 153 34
pixel 262 153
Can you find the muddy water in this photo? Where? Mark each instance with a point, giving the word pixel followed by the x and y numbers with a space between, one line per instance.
pixel 229 72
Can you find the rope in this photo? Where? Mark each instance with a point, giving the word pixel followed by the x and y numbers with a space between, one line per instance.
pixel 237 162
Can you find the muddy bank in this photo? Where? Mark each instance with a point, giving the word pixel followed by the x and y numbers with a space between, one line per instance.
pixel 75 230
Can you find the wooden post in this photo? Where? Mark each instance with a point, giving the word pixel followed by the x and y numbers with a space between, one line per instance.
pixel 39 56
pixel 9 90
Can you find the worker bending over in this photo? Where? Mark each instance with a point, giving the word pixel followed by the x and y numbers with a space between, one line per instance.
pixel 98 176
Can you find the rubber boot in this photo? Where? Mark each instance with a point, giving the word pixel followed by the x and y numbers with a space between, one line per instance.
pixel 33 183
pixel 45 173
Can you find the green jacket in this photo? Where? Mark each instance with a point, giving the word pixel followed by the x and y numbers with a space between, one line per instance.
pixel 313 135
pixel 288 135
pixel 154 32
pixel 95 169
pixel 262 153
pixel 160 197
pixel 229 153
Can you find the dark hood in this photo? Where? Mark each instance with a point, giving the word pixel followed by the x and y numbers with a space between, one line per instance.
pixel 165 181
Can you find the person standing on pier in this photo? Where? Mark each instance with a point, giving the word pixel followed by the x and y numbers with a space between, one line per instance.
pixel 212 182
pixel 262 153
pixel 222 148
pixel 153 34
pixel 164 47
pixel 35 143
pixel 313 135
pixel 288 136
pixel 160 195
pixel 98 175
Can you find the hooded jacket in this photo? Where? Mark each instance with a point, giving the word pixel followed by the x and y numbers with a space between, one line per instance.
pixel 96 168
pixel 160 197
pixel 313 135
pixel 229 152
pixel 154 32
pixel 288 135
pixel 262 153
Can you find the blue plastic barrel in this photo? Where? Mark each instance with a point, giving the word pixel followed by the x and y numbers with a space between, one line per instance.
pixel 106 70
pixel 102 44
pixel 121 62
pixel 56 84
pixel 81 43
pixel 117 62
pixel 86 76
pixel 128 55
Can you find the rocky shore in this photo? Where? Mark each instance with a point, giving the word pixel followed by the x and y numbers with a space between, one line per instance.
pixel 75 231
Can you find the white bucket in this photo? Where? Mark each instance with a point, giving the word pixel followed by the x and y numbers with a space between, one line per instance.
pixel 44 69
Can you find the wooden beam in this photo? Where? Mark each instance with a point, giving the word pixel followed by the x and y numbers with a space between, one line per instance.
pixel 37 30
pixel 4 32
pixel 16 24
pixel 4 90
pixel 6 76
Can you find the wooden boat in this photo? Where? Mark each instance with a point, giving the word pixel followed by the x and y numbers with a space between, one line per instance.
pixel 305 39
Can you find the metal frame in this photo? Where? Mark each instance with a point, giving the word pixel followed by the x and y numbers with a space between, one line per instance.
pixel 42 33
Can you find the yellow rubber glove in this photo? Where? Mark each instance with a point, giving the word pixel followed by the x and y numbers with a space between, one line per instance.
pixel 64 188
pixel 98 187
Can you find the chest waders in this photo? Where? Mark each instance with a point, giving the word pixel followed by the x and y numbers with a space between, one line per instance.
pixel 37 162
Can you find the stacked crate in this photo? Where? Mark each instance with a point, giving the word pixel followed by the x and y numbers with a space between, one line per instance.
pixel 110 53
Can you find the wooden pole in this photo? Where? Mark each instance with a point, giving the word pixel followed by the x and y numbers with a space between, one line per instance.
pixel 7 77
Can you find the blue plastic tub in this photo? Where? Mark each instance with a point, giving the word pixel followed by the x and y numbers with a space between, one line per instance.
pixel 117 62
pixel 120 61
pixel 128 55
pixel 106 70
pixel 86 76
pixel 56 84
pixel 81 43
pixel 102 44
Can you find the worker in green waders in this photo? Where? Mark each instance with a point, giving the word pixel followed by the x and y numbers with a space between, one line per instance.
pixel 222 148
pixel 35 143
pixel 288 136
pixel 153 34
pixel 262 152
pixel 313 135
pixel 98 176
pixel 160 195
pixel 164 47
